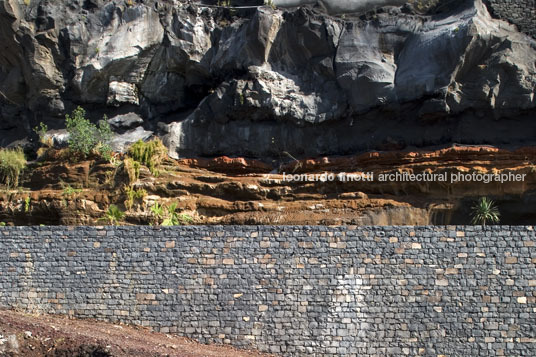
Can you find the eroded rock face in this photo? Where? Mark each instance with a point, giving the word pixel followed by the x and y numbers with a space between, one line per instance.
pixel 341 6
pixel 261 82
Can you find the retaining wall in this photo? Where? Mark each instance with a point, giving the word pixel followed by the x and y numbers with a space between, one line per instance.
pixel 328 291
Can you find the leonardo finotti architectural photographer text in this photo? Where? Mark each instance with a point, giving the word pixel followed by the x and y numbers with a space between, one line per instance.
pixel 405 177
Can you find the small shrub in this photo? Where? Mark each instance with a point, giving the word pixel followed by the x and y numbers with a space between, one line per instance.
pixel 69 191
pixel 158 212
pixel 132 169
pixel 133 195
pixel 105 151
pixel 114 215
pixel 150 154
pixel 185 219
pixel 85 137
pixel 173 218
pixel 12 163
pixel 41 131
pixel 27 201
pixel 423 6
pixel 485 211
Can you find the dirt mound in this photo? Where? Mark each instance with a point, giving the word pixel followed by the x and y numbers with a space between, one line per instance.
pixel 55 336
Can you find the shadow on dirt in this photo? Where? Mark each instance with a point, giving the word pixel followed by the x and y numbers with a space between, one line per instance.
pixel 83 351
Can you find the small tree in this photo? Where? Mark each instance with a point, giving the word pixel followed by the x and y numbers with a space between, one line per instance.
pixel 485 211
pixel 85 137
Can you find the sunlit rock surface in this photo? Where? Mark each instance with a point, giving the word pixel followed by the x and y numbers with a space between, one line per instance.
pixel 261 81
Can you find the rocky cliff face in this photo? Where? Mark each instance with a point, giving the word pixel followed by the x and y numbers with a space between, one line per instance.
pixel 261 81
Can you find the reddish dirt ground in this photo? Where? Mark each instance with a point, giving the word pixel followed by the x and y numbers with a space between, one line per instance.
pixel 55 336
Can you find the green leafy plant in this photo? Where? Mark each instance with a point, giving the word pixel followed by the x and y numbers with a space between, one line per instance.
pixel 85 137
pixel 27 201
pixel 132 169
pixel 173 217
pixel 46 141
pixel 485 211
pixel 150 154
pixel 12 163
pixel 41 131
pixel 185 219
pixel 133 195
pixel 104 150
pixel 114 215
pixel 424 6
pixel 70 191
pixel 168 216
pixel 158 212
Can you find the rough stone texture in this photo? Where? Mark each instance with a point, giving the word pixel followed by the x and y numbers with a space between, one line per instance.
pixel 341 6
pixel 519 12
pixel 257 81
pixel 121 142
pixel 295 290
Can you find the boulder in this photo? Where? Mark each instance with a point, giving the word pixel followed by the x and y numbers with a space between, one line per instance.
pixel 121 142
pixel 124 122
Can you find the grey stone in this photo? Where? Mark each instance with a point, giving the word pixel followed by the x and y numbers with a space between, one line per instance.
pixel 121 142
pixel 267 81
pixel 346 306
pixel 125 121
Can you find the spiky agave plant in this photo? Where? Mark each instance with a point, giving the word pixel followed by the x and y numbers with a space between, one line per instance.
pixel 158 212
pixel 485 211
pixel 174 218
pixel 114 215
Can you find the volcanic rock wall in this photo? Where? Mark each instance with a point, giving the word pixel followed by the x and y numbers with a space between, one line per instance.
pixel 519 12
pixel 258 82
pixel 295 290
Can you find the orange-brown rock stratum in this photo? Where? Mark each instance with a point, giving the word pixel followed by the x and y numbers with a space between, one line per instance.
pixel 241 191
